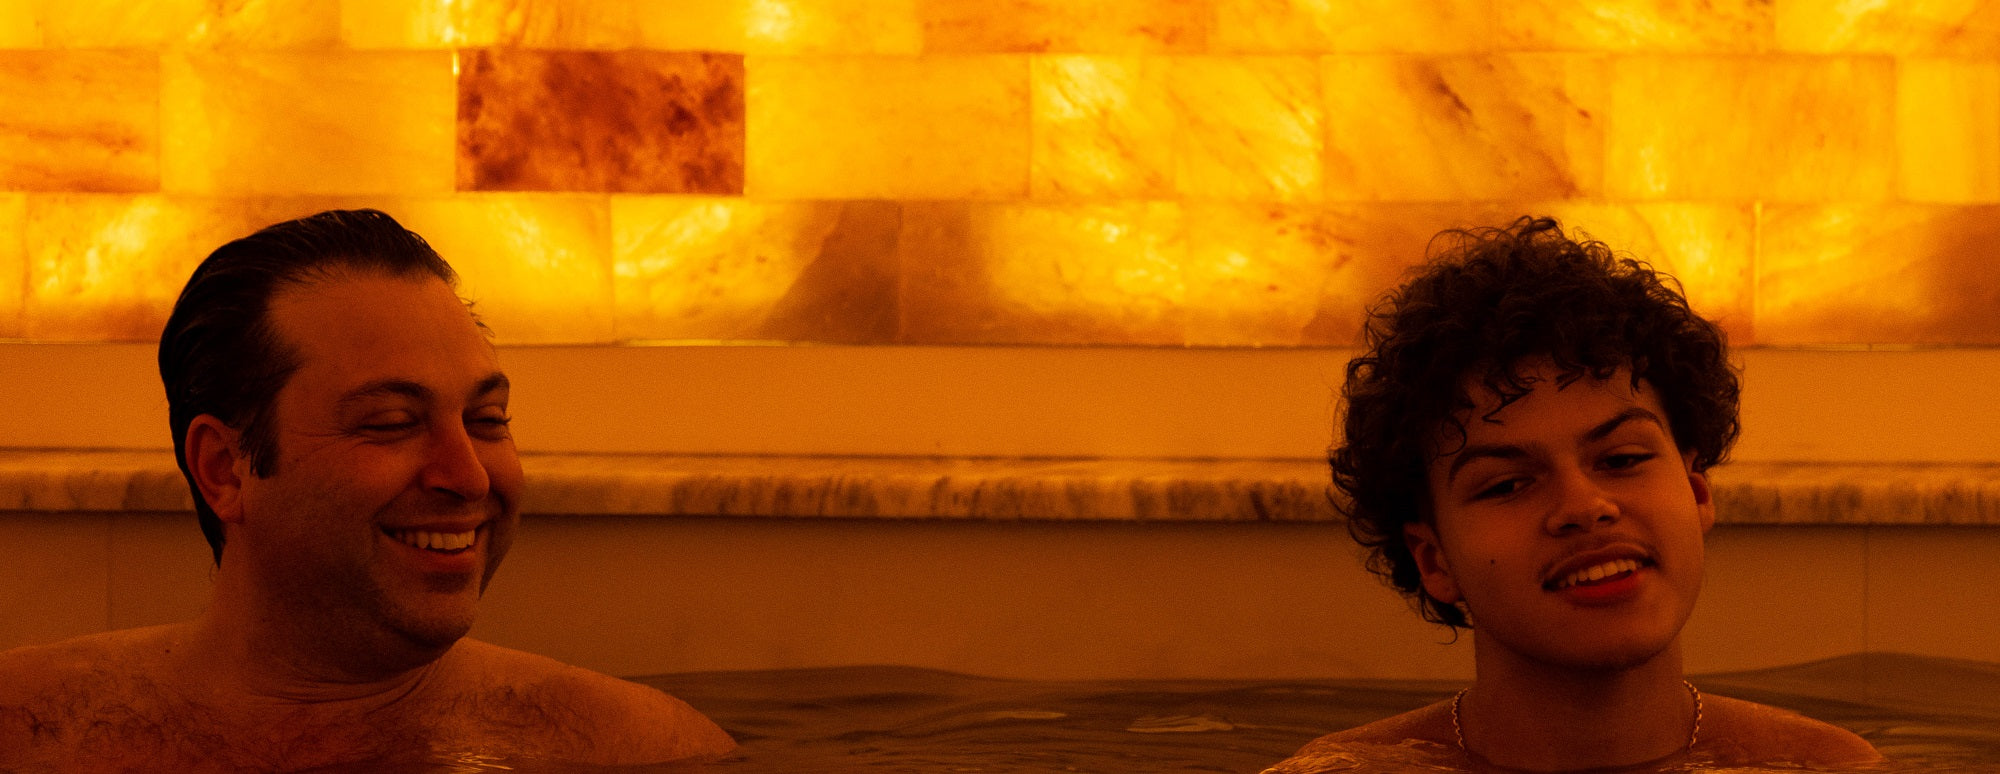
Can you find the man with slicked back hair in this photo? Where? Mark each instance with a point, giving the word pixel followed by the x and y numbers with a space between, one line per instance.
pixel 342 421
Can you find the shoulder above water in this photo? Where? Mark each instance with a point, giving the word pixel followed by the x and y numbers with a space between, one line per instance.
pixel 627 722
pixel 1751 733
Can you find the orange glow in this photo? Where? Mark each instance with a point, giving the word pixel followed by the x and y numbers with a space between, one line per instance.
pixel 1221 173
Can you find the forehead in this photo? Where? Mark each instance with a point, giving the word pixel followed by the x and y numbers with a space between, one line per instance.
pixel 1556 403
pixel 358 327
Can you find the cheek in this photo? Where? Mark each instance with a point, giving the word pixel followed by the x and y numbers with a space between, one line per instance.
pixel 503 469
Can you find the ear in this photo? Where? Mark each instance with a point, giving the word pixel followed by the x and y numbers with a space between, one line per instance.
pixel 1422 540
pixel 1704 498
pixel 218 465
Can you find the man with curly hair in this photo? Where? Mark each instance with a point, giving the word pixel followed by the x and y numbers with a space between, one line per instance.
pixel 1527 441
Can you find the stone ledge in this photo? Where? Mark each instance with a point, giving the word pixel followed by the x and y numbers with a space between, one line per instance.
pixel 1015 489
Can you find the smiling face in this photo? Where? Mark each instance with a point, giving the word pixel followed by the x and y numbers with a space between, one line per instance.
pixel 1569 524
pixel 396 489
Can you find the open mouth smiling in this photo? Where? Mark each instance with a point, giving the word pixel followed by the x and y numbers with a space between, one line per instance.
pixel 1604 572
pixel 435 542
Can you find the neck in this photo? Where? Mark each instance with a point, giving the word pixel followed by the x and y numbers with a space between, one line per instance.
pixel 253 645
pixel 1525 714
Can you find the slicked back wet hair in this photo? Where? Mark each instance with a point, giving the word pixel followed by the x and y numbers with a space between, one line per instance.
pixel 219 354
pixel 1488 301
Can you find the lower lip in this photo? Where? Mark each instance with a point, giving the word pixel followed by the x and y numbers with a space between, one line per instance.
pixel 1604 593
pixel 433 562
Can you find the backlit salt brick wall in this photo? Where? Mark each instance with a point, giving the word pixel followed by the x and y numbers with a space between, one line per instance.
pixel 1203 172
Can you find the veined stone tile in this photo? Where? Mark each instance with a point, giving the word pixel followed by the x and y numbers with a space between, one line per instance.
pixel 1443 129
pixel 1255 272
pixel 1693 26
pixel 1354 26
pixel 872 127
pixel 79 121
pixel 537 267
pixel 307 123
pixel 1790 129
pixel 626 121
pixel 1710 248
pixel 1370 246
pixel 1043 274
pixel 695 25
pixel 790 27
pixel 1102 127
pixel 1901 27
pixel 107 268
pixel 738 269
pixel 1878 274
pixel 13 262
pixel 106 24
pixel 565 24
pixel 1056 26
pixel 1252 128
pixel 1948 130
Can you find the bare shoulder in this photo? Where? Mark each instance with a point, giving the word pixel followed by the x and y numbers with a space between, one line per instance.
pixel 626 722
pixel 1411 738
pixel 1751 733
pixel 49 692
pixel 1431 723
pixel 34 670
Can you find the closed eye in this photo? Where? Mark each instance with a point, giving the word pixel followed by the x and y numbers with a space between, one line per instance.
pixel 1624 461
pixel 1501 489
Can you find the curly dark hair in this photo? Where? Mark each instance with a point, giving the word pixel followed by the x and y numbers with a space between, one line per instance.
pixel 1490 300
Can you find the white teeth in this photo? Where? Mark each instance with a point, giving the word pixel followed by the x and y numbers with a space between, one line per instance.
pixel 1598 572
pixel 437 541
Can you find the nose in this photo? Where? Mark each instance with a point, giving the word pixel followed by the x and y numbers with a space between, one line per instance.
pixel 454 466
pixel 1580 505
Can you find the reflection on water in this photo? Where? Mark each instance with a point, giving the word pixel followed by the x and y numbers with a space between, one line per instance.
pixel 1928 715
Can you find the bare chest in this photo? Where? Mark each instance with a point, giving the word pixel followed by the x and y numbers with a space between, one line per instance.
pixel 113 727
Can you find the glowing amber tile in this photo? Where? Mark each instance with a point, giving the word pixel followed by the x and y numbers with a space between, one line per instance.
pixel 1371 246
pixel 884 27
pixel 1102 27
pixel 736 269
pixel 1901 27
pixel 693 25
pixel 537 267
pixel 1353 26
pixel 323 123
pixel 1777 129
pixel 20 25
pixel 1710 26
pixel 570 24
pixel 1252 128
pixel 1254 272
pixel 13 262
pixel 1102 126
pixel 1058 274
pixel 894 128
pixel 1710 248
pixel 108 268
pixel 1878 274
pixel 1488 127
pixel 625 121
pixel 156 23
pixel 1948 130
pixel 79 121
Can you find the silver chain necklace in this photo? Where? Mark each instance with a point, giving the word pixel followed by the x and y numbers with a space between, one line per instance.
pixel 1459 731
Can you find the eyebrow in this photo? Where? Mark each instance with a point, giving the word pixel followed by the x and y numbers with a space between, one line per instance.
pixel 494 382
pixel 1509 451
